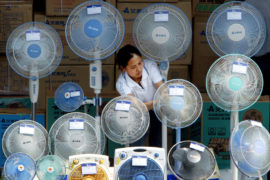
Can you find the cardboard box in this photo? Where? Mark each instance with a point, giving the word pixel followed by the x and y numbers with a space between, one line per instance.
pixel 148 1
pixel 69 57
pixel 178 72
pixel 64 7
pixel 130 11
pixel 12 15
pixel 206 6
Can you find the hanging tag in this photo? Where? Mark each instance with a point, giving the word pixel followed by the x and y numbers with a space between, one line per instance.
pixel 89 168
pixel 32 35
pixel 122 105
pixel 76 124
pixel 75 93
pixel 27 129
pixel 94 9
pixel 240 68
pixel 234 14
pixel 175 90
pixel 161 16
pixel 197 147
pixel 139 161
pixel 256 123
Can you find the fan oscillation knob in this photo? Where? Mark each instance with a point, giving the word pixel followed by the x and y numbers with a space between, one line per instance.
pixel 75 161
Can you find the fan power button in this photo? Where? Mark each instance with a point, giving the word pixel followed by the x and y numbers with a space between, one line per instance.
pixel 156 155
pixel 94 69
pixel 123 155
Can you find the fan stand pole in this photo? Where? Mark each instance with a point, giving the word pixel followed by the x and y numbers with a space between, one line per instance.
pixel 234 120
pixel 33 92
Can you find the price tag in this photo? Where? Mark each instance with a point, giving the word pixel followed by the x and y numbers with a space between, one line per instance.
pixel 197 147
pixel 234 14
pixel 27 129
pixel 161 16
pixel 256 123
pixel 139 161
pixel 94 9
pixel 240 68
pixel 89 168
pixel 122 105
pixel 76 124
pixel 75 93
pixel 176 90
pixel 33 35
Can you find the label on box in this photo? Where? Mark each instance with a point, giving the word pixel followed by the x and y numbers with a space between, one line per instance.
pixel 89 168
pixel 176 90
pixel 161 16
pixel 94 9
pixel 75 93
pixel 197 147
pixel 122 105
pixel 33 35
pixel 139 161
pixel 256 123
pixel 234 14
pixel 27 129
pixel 239 67
pixel 76 124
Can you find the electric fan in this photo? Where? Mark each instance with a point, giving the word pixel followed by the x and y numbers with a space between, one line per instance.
pixel 75 133
pixel 125 119
pixel 139 163
pixel 191 160
pixel 68 96
pixel 249 147
pixel 27 137
pixel 236 28
pixel 19 166
pixel 89 166
pixel 234 82
pixel 50 167
pixel 34 50
pixel 94 31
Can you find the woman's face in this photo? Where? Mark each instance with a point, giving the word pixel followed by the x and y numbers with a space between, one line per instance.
pixel 134 67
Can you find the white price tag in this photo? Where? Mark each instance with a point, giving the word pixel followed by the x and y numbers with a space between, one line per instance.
pixel 161 16
pixel 94 9
pixel 256 123
pixel 175 90
pixel 139 161
pixel 27 129
pixel 33 35
pixel 197 147
pixel 75 93
pixel 234 14
pixel 239 67
pixel 89 168
pixel 122 105
pixel 76 124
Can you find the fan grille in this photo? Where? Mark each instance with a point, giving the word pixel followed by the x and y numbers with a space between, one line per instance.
pixel 76 174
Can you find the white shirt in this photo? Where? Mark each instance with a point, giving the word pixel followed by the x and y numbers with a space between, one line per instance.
pixel 150 76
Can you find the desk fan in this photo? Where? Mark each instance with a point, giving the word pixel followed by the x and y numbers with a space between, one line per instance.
pixel 94 31
pixel 236 28
pixel 25 136
pixel 34 50
pixel 249 147
pixel 19 166
pixel 75 133
pixel 234 82
pixel 125 119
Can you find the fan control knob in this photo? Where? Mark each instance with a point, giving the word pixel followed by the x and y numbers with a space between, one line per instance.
pixel 123 155
pixel 94 69
pixel 156 155
pixel 101 161
pixel 75 161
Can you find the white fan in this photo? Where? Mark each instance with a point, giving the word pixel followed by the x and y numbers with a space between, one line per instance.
pixel 139 163
pixel 19 166
pixel 249 148
pixel 234 82
pixel 89 166
pixel 236 28
pixel 34 50
pixel 191 160
pixel 25 136
pixel 125 119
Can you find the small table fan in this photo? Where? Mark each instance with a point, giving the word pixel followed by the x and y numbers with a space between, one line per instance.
pixel 234 82
pixel 75 133
pixel 236 28
pixel 27 137
pixel 94 31
pixel 19 166
pixel 191 160
pixel 250 147
pixel 125 119
pixel 34 50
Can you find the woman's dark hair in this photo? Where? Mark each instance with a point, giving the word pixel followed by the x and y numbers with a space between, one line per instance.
pixel 125 54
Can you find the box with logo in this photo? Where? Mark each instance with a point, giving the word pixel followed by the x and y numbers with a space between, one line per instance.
pixel 205 6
